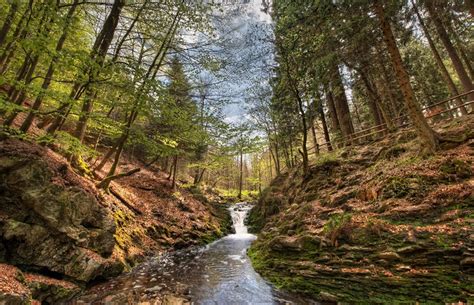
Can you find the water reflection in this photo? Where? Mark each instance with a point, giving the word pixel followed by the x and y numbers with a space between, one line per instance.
pixel 220 273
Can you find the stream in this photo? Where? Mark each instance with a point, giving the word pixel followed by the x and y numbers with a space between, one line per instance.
pixel 220 273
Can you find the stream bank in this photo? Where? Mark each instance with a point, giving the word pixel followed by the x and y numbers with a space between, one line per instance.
pixel 58 232
pixel 219 273
pixel 374 224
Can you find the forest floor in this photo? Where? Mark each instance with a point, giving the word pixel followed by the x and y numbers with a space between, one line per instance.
pixel 59 232
pixel 374 224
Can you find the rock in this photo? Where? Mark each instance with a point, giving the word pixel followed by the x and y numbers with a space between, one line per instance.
pixel 286 242
pixel 50 291
pixel 13 290
pixel 326 296
pixel 402 268
pixel 174 300
pixel 348 248
pixel 12 298
pixel 50 223
pixel 389 256
pixel 154 289
pixel 467 262
pixel 409 249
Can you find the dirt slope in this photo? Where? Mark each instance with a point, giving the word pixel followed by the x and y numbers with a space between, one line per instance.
pixel 376 223
pixel 56 223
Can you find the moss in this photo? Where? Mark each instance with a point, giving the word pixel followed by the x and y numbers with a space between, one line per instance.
pixel 392 152
pixel 457 168
pixel 197 193
pixel 411 186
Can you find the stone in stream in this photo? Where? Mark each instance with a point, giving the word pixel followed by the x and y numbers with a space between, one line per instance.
pixel 153 289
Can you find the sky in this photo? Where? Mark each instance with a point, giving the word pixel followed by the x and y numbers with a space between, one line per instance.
pixel 243 45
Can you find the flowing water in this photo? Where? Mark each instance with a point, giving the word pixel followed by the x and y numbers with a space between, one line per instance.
pixel 220 273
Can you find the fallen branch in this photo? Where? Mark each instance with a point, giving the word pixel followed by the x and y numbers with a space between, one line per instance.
pixel 124 201
pixel 144 188
pixel 105 183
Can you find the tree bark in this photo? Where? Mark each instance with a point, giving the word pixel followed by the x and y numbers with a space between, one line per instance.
pixel 175 170
pixel 18 34
pixel 428 137
pixel 341 105
pixel 8 21
pixel 315 138
pixel 335 126
pixel 325 126
pixel 104 184
pixel 453 55
pixel 461 49
pixel 439 61
pixel 106 34
pixel 241 174
pixel 49 74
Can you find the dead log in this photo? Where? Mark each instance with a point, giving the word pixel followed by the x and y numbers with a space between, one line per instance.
pixel 125 202
pixel 105 183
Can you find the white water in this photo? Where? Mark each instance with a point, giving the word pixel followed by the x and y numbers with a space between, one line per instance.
pixel 220 273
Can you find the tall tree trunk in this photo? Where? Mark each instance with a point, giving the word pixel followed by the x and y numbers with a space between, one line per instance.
pixel 341 104
pixel 152 69
pixel 98 53
pixel 335 126
pixel 129 30
pixel 19 97
pixel 121 144
pixel 241 174
pixel 376 104
pixel 107 35
pixel 388 92
pixel 270 159
pixel 439 61
pixel 49 74
pixel 427 135
pixel 461 49
pixel 304 146
pixel 175 170
pixel 277 158
pixel 19 33
pixel 8 21
pixel 325 126
pixel 315 138
pixel 453 55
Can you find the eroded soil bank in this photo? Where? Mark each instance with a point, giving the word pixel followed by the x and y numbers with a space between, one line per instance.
pixel 374 224
pixel 58 232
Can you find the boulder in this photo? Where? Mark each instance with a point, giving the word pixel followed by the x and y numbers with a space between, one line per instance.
pixel 49 223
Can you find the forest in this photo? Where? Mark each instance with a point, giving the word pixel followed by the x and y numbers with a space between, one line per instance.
pixel 143 139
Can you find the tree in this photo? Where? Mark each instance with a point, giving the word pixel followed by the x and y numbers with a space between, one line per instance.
pixel 453 55
pixel 439 61
pixel 429 138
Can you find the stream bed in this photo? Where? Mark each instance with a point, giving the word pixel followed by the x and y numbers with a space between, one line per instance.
pixel 220 273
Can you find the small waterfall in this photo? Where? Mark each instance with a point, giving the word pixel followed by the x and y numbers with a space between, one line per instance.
pixel 238 213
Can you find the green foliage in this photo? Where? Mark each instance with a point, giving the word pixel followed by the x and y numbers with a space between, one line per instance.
pixel 336 222
pixel 70 145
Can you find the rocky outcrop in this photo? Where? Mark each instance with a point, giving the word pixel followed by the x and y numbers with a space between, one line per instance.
pixel 56 223
pixel 365 227
pixel 17 288
pixel 50 223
